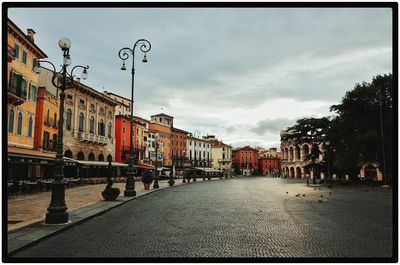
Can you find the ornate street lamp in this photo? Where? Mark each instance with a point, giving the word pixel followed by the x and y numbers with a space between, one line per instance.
pixel 124 54
pixel 57 210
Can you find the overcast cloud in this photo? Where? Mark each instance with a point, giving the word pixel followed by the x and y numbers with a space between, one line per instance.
pixel 241 74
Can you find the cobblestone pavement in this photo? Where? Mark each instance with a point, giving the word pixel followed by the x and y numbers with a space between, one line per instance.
pixel 244 217
pixel 30 208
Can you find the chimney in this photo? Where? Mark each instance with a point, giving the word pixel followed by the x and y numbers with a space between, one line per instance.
pixel 78 79
pixel 31 32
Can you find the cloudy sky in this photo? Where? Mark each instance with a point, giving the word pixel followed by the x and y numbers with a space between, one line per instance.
pixel 241 74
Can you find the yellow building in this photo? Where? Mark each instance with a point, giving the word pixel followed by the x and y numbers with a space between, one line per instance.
pixel 22 88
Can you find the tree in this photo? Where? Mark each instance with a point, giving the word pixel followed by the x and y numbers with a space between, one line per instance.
pixel 355 133
pixel 312 131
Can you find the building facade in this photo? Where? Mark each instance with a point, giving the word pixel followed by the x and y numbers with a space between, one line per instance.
pixel 269 162
pixel 22 88
pixel 89 121
pixel 161 125
pixel 178 147
pixel 199 151
pixel 124 104
pixel 245 160
pixel 221 154
pixel 294 158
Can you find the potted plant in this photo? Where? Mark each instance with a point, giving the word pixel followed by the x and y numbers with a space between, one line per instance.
pixel 147 179
pixel 110 193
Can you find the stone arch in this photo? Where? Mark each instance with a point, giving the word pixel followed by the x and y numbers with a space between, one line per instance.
pixel 298 172
pixel 291 157
pixel 80 156
pixel 297 152
pixel 91 156
pixel 291 172
pixel 306 151
pixel 101 157
pixel 68 153
pixel 287 172
pixel 109 158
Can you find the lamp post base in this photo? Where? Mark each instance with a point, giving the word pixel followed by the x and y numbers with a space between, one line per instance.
pixel 129 193
pixel 56 218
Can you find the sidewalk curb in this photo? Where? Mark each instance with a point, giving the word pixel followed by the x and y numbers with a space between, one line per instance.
pixel 51 230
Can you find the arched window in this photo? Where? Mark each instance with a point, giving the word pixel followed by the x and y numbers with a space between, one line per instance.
pixel 19 124
pixel 109 130
pixel 81 118
pixel 80 156
pixel 68 153
pixel 69 119
pixel 91 125
pixel 109 158
pixel 30 125
pixel 101 157
pixel 91 156
pixel 101 128
pixel 11 121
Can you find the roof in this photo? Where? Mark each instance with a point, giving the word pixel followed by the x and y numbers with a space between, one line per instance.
pixel 140 118
pixel 111 93
pixel 26 38
pixel 207 169
pixel 93 92
pixel 162 114
pixel 216 143
pixel 245 148
pixel 179 130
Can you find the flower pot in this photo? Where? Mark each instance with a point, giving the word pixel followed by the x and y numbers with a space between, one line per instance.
pixel 110 194
pixel 146 186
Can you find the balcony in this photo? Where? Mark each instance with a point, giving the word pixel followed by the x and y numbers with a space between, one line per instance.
pixel 93 138
pixel 224 160
pixel 15 95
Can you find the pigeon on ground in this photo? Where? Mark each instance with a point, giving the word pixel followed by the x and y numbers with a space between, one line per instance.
pixel 330 193
pixel 322 195
pixel 319 200
pixel 304 195
pixel 287 192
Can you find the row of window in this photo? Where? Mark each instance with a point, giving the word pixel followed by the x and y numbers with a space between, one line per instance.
pixel 195 144
pixel 24 57
pixel 100 124
pixel 198 154
pixel 18 86
pixel 11 119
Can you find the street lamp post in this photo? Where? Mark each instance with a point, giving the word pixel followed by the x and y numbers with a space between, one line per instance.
pixel 124 53
pixel 57 210
pixel 328 178
pixel 383 138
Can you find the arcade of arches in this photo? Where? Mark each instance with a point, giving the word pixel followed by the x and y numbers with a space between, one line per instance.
pixel 294 157
pixel 90 156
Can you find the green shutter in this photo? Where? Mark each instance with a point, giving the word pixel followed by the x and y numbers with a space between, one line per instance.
pixel 24 57
pixel 16 51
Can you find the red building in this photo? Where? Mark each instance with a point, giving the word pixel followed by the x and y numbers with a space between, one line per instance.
pixel 269 165
pixel 245 160
pixel 122 140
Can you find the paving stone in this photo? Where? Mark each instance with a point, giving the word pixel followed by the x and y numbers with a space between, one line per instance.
pixel 244 217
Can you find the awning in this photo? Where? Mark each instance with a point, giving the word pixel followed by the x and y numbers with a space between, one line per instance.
pixel 100 163
pixel 144 165
pixel 207 169
pixel 13 151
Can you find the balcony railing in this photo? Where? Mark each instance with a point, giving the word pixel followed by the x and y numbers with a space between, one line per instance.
pixel 93 138
pixel 16 95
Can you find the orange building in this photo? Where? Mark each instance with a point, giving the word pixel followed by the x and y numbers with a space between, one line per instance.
pixel 46 122
pixel 161 124
pixel 22 89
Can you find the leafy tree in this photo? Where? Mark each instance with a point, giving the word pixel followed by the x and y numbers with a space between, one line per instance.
pixel 355 133
pixel 312 131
